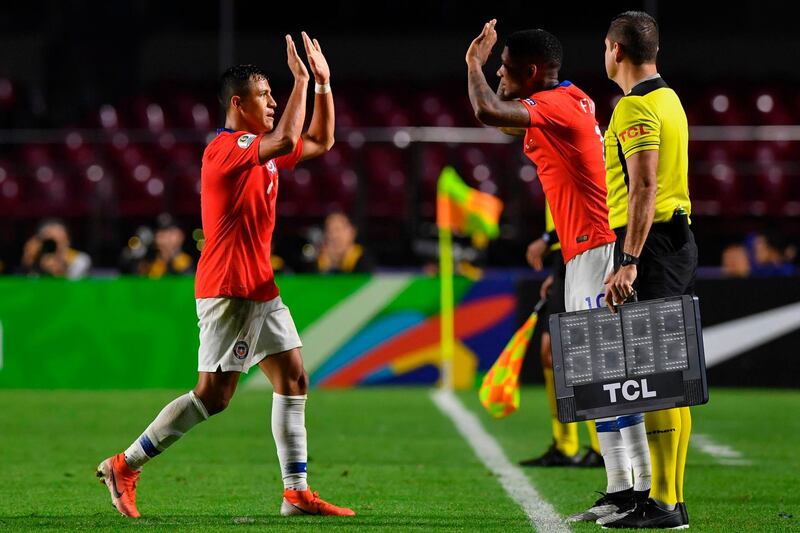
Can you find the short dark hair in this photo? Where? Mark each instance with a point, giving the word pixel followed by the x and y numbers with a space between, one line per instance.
pixel 536 46
pixel 236 80
pixel 637 33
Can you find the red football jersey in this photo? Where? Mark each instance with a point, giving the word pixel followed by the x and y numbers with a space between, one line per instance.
pixel 565 144
pixel 237 198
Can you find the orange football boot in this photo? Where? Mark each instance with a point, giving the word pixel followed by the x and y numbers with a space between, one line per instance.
pixel 305 502
pixel 121 483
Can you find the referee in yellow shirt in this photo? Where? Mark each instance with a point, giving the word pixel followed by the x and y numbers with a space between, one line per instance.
pixel 647 152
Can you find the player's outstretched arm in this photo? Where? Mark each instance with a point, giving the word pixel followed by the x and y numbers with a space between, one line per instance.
pixel 512 132
pixel 283 139
pixel 319 137
pixel 489 108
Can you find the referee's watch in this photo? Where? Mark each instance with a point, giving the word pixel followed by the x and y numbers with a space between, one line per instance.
pixel 628 259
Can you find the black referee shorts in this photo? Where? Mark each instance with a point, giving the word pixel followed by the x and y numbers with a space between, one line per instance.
pixel 555 296
pixel 668 262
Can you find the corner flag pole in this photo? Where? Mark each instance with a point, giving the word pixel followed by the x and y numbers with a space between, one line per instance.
pixel 446 292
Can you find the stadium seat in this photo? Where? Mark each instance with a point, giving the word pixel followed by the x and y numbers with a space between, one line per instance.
pixel 298 194
pixel 10 191
pixel 148 114
pixel 791 205
pixel 769 107
pixel 433 109
pixel 385 111
pixel 386 181
pixel 108 118
pixel 191 113
pixel 434 157
pixel 184 198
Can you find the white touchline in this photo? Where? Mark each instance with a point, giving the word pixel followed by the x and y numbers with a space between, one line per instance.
pixel 541 514
pixel 722 453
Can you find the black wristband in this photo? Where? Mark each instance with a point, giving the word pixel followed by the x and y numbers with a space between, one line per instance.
pixel 628 259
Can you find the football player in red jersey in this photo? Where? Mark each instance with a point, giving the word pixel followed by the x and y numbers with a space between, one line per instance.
pixel 564 142
pixel 242 320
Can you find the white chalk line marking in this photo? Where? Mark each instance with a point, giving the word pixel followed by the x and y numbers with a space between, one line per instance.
pixel 540 513
pixel 721 453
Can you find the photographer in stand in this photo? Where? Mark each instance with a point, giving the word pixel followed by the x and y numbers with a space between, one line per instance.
pixel 48 253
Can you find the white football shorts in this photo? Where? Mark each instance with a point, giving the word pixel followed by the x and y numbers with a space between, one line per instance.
pixel 236 334
pixel 583 285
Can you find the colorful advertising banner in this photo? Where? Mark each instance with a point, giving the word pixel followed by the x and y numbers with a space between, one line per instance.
pixel 139 333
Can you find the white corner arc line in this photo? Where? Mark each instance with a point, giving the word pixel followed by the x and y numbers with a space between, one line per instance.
pixel 540 513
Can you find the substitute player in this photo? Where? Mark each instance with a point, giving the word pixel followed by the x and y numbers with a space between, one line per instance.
pixel 242 320
pixel 647 161
pixel 564 142
pixel 564 450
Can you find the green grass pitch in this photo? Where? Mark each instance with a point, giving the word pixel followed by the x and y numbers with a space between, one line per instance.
pixel 388 453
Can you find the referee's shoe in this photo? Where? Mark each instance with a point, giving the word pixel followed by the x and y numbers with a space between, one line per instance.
pixel 552 457
pixel 650 515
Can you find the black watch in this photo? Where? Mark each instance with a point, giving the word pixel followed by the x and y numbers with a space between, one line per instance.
pixel 628 259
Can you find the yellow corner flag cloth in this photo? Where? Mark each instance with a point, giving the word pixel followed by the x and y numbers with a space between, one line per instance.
pixel 465 210
pixel 499 393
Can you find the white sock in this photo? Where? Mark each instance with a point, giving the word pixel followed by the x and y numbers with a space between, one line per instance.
pixel 289 431
pixel 612 446
pixel 633 433
pixel 175 419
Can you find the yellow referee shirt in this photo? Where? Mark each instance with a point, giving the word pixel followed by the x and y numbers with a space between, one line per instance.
pixel 650 117
pixel 549 225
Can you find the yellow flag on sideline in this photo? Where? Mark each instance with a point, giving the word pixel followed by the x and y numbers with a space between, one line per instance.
pixel 465 210
pixel 499 392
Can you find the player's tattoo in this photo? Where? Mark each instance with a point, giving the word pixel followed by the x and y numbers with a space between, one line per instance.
pixel 488 106
pixel 481 95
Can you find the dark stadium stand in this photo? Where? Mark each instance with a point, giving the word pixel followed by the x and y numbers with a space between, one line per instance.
pixel 140 157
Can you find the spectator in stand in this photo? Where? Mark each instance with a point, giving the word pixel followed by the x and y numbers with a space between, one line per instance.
pixel 735 261
pixel 167 256
pixel 771 255
pixel 339 252
pixel 48 253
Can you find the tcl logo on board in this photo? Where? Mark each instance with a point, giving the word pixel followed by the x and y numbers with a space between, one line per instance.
pixel 631 390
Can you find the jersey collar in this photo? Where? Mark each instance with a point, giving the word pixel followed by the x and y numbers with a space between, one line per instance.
pixel 648 85
pixel 225 130
pixel 564 83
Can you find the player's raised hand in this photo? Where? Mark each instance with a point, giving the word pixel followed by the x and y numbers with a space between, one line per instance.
pixel 293 59
pixel 317 61
pixel 481 48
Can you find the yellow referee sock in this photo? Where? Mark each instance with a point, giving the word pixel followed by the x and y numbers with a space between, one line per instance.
pixel 663 437
pixel 683 448
pixel 590 425
pixel 565 435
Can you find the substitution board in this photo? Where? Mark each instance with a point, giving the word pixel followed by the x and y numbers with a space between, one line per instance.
pixel 648 356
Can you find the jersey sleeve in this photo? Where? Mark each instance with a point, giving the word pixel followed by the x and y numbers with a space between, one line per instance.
pixel 636 126
pixel 544 112
pixel 234 153
pixel 289 161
